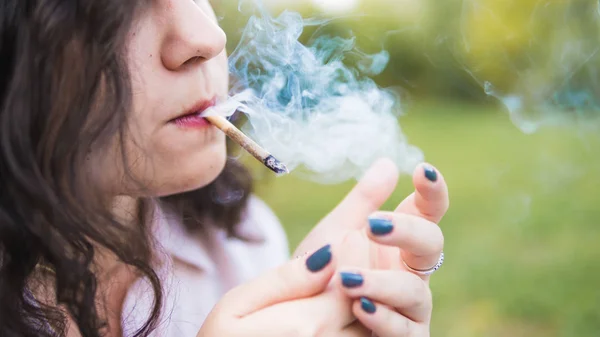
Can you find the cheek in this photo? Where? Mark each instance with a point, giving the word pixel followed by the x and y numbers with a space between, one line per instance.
pixel 221 72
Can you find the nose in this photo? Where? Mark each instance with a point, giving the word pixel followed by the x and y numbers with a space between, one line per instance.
pixel 193 36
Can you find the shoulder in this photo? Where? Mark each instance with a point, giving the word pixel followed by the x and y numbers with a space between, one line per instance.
pixel 261 223
pixel 260 213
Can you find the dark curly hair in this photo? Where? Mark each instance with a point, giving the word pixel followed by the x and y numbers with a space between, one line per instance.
pixel 58 60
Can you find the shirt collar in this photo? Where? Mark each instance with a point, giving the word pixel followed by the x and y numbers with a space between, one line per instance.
pixel 202 250
pixel 172 237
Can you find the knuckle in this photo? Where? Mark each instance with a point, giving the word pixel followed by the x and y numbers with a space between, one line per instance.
pixel 425 239
pixel 420 294
pixel 284 277
pixel 412 222
pixel 369 199
pixel 370 286
pixel 387 315
pixel 397 325
pixel 427 301
pixel 216 323
pixel 429 236
pixel 228 297
pixel 437 240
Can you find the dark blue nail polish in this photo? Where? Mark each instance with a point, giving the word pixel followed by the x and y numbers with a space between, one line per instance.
pixel 367 305
pixel 430 174
pixel 319 259
pixel 380 226
pixel 351 280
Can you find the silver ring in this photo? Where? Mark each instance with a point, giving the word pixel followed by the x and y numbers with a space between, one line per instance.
pixel 427 271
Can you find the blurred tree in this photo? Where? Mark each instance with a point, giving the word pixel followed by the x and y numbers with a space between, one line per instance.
pixel 530 45
pixel 448 49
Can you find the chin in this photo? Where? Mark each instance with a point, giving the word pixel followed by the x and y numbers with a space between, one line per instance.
pixel 191 174
pixel 209 172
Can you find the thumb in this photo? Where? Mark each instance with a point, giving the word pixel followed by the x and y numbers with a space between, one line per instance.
pixel 430 199
pixel 367 196
pixel 298 278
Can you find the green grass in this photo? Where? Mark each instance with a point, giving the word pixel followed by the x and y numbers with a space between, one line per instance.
pixel 522 233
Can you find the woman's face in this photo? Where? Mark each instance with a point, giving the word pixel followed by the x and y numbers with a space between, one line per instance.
pixel 178 65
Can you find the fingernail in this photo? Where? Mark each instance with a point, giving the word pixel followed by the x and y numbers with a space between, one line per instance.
pixel 380 226
pixel 367 305
pixel 319 259
pixel 430 174
pixel 351 280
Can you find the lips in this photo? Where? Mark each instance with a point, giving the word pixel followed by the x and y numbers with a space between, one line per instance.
pixel 195 111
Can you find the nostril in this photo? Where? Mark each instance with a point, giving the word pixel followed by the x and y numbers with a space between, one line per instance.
pixel 193 60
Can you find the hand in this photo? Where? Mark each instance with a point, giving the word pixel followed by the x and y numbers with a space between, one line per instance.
pixel 295 301
pixel 288 301
pixel 391 303
pixel 410 235
pixel 415 238
pixel 369 194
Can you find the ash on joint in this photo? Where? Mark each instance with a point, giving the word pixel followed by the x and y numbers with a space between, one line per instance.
pixel 275 165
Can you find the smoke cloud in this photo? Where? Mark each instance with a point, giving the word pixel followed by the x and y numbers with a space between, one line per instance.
pixel 314 106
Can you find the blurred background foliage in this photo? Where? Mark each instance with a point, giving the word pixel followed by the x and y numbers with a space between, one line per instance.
pixel 523 230
pixel 445 49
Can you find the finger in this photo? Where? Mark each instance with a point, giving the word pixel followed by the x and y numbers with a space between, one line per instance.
pixel 421 241
pixel 402 290
pixel 299 278
pixel 353 252
pixel 369 194
pixel 320 315
pixel 328 312
pixel 383 321
pixel 430 199
pixel 373 189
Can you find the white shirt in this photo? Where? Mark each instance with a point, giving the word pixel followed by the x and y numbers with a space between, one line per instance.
pixel 197 271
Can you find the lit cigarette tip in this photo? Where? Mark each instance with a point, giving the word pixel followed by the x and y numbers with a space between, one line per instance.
pixel 275 165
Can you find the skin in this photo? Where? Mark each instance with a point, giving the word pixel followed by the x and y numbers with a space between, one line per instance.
pixel 176 54
pixel 291 301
